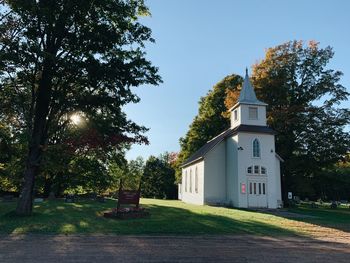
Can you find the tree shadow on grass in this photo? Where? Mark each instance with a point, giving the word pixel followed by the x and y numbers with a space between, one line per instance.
pixel 57 217
pixel 186 222
pixel 338 219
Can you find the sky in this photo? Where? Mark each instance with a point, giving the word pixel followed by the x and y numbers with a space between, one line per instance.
pixel 199 42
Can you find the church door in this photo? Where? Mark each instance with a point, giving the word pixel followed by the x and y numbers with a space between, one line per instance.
pixel 257 193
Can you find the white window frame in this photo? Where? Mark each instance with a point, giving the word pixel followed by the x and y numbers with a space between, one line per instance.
pixel 259 169
pixel 256 168
pixel 251 169
pixel 259 148
pixel 235 115
pixel 250 117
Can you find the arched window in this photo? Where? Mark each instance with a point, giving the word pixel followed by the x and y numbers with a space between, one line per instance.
pixel 256 148
pixel 186 181
pixel 191 181
pixel 196 181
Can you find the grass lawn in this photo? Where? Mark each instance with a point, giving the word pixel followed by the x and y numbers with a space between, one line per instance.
pixel 172 217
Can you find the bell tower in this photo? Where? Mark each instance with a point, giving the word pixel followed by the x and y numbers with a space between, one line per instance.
pixel 248 110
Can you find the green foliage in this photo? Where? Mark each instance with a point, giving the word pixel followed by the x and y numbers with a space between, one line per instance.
pixel 158 179
pixel 63 57
pixel 303 97
pixel 92 53
pixel 11 159
pixel 212 119
pixel 130 173
pixel 333 183
pixel 135 170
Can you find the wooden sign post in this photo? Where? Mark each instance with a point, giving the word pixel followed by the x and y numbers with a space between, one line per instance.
pixel 127 197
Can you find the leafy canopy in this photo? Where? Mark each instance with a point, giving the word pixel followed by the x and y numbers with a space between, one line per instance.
pixel 89 53
pixel 59 58
pixel 303 96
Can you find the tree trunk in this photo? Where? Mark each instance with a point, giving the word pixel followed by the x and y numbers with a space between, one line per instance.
pixel 47 187
pixel 25 203
pixel 38 141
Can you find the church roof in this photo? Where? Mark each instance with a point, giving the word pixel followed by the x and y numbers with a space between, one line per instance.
pixel 201 152
pixel 247 94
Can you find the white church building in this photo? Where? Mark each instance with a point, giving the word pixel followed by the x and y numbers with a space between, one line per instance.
pixel 239 167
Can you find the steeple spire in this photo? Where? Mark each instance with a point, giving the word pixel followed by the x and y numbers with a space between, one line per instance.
pixel 248 110
pixel 247 94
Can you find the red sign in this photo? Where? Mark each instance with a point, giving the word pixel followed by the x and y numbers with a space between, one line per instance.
pixel 243 189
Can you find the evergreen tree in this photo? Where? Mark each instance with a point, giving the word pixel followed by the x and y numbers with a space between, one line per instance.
pixel 159 178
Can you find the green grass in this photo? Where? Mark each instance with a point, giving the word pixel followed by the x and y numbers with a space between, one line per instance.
pixel 168 217
pixel 325 216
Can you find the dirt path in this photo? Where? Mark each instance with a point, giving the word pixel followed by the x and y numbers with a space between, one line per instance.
pixel 108 248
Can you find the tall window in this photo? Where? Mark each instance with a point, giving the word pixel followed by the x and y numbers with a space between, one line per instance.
pixel 191 181
pixel 196 181
pixel 256 148
pixel 235 114
pixel 186 181
pixel 253 113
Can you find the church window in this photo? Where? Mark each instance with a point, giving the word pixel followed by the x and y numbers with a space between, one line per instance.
pixel 259 188
pixel 235 114
pixel 250 188
pixel 263 188
pixel 196 181
pixel 253 113
pixel 249 170
pixel 186 181
pixel 256 148
pixel 255 188
pixel 256 169
pixel 191 181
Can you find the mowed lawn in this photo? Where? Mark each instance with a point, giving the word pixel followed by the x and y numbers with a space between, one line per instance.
pixel 173 217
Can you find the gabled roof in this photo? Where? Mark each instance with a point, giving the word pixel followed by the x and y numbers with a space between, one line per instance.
pixel 199 154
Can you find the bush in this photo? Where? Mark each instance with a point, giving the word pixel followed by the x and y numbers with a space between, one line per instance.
pixel 334 205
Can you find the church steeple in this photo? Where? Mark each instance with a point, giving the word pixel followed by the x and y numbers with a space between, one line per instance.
pixel 247 94
pixel 248 110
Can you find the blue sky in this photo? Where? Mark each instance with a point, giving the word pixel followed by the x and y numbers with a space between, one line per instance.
pixel 199 42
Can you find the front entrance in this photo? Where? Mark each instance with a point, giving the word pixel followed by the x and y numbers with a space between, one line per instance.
pixel 257 193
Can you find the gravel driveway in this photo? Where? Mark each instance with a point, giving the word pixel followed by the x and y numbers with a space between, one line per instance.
pixel 112 248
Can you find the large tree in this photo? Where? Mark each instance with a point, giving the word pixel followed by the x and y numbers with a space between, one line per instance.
pixel 303 96
pixel 64 57
pixel 158 179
